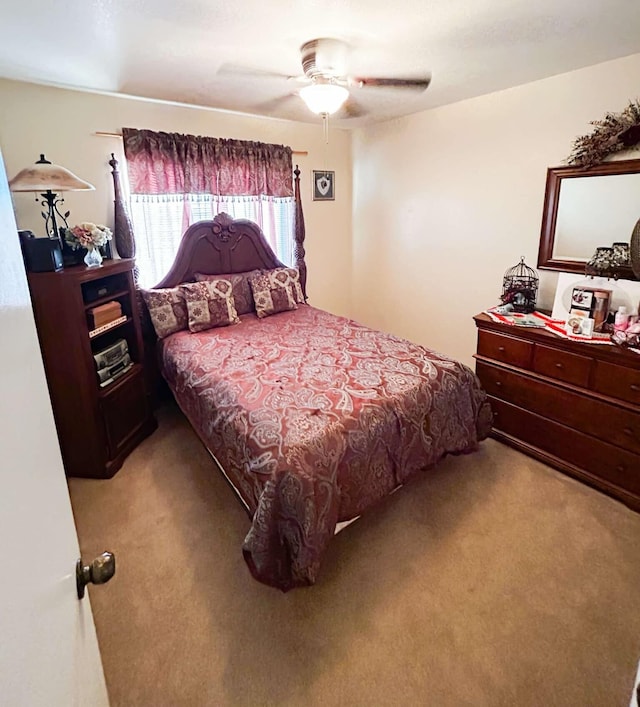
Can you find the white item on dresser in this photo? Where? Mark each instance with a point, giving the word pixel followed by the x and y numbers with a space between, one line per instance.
pixel 624 293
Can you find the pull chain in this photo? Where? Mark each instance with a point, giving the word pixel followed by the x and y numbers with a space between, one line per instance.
pixel 325 127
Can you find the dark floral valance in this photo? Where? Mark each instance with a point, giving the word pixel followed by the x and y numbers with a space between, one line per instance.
pixel 170 163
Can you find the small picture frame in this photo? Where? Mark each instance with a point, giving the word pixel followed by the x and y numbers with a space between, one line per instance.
pixel 323 185
pixel 579 322
pixel 591 302
pixel 586 329
pixel 582 298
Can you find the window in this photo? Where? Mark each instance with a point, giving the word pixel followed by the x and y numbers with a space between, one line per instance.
pixel 177 180
pixel 160 221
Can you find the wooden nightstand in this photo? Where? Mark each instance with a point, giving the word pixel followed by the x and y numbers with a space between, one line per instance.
pixel 97 426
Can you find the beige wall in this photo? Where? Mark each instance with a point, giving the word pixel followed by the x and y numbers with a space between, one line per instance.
pixel 443 201
pixel 61 123
pixel 446 200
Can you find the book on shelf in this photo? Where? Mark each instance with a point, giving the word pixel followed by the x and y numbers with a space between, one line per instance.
pixel 106 327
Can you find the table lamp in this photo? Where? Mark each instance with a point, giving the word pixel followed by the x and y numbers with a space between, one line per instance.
pixel 49 180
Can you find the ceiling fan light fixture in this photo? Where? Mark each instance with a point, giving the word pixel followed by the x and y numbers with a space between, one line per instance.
pixel 324 98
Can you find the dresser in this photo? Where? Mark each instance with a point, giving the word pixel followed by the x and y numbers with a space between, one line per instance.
pixel 98 423
pixel 573 405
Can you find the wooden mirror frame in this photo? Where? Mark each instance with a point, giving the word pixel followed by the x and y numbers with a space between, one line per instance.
pixel 555 175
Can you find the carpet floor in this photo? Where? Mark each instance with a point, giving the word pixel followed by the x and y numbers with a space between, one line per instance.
pixel 491 580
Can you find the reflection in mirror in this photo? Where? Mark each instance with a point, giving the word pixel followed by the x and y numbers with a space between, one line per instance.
pixel 595 211
pixel 584 209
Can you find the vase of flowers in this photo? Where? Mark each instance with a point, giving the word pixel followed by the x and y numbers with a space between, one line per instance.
pixel 90 236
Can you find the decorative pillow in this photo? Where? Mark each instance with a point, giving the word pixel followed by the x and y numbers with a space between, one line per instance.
pixel 287 276
pixel 271 295
pixel 242 296
pixel 209 304
pixel 167 309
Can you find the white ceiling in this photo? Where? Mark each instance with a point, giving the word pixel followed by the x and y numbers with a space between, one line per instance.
pixel 182 50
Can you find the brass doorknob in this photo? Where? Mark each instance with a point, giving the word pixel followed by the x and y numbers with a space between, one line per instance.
pixel 98 572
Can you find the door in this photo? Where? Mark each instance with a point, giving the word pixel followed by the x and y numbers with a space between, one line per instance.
pixel 48 648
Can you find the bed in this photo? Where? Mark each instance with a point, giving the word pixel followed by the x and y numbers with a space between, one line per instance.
pixel 312 417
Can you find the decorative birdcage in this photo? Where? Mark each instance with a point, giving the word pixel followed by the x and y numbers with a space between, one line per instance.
pixel 520 287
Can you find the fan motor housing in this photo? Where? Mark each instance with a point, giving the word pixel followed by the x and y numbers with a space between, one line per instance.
pixel 324 58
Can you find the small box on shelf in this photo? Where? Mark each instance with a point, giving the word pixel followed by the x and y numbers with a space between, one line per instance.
pixel 105 313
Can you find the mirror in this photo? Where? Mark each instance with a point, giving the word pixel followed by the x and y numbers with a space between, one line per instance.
pixel 587 208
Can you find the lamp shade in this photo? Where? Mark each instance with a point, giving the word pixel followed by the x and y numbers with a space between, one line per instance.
pixel 324 97
pixel 43 176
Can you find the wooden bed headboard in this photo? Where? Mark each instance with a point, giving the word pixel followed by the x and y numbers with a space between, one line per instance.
pixel 224 245
pixel 221 246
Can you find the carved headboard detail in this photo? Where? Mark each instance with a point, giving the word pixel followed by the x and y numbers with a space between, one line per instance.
pixel 224 245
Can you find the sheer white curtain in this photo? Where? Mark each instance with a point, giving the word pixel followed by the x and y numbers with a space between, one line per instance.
pixel 160 220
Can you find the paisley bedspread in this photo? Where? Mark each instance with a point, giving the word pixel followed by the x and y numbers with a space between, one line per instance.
pixel 315 418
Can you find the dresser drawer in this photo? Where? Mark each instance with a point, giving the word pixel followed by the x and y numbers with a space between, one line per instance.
pixel 600 460
pixel 505 349
pixel 609 423
pixel 562 365
pixel 618 381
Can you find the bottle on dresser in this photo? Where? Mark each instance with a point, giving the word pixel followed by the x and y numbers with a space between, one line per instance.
pixel 621 321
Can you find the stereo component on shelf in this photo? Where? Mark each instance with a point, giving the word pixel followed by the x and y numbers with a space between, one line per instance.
pixel 112 354
pixel 108 375
pixel 106 287
pixel 112 362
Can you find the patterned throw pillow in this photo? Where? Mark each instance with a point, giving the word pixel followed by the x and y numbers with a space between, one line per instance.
pixel 271 295
pixel 167 309
pixel 287 276
pixel 209 304
pixel 242 296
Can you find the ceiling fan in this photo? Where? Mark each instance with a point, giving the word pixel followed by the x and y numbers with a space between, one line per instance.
pixel 328 87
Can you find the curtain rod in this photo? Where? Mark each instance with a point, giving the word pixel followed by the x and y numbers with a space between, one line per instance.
pixel 100 133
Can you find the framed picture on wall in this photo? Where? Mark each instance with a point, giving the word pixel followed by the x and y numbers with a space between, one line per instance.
pixel 323 185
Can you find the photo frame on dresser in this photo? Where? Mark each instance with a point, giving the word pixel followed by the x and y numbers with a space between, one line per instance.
pixel 623 293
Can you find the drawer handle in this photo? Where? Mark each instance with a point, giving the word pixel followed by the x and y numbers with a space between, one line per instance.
pixel 498 384
pixel 559 365
pixel 621 468
pixel 628 431
pixel 635 387
pixel 501 349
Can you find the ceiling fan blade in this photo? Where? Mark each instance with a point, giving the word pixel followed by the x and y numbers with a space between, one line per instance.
pixel 237 71
pixel 275 104
pixel 420 84
pixel 351 109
